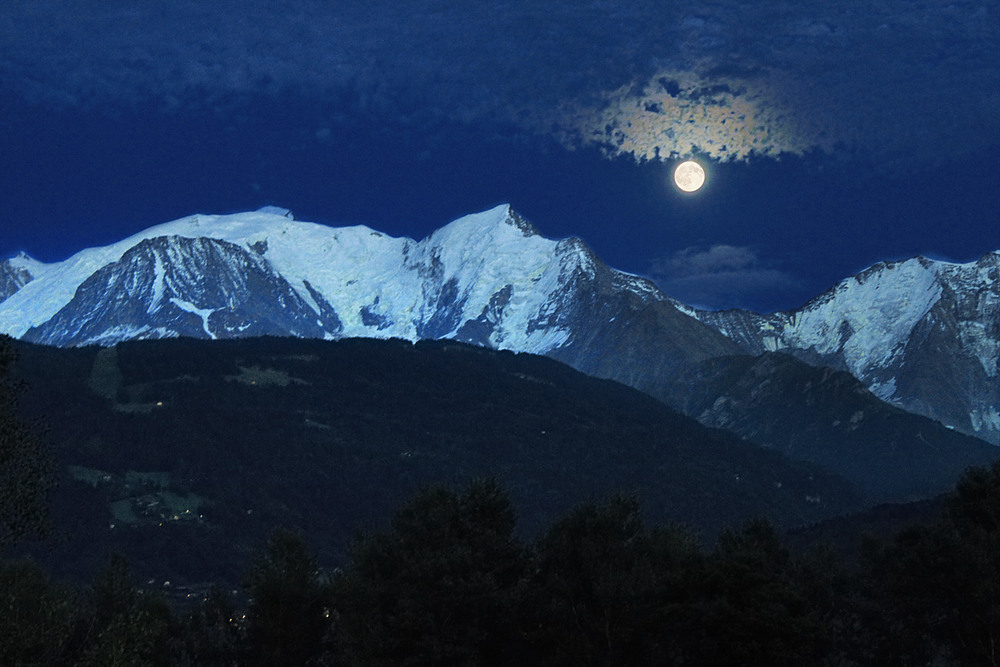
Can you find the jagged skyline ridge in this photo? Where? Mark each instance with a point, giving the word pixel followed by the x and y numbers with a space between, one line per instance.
pixel 361 274
pixel 306 256
pixel 918 333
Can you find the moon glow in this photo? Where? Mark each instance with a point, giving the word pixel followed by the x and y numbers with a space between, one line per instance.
pixel 689 176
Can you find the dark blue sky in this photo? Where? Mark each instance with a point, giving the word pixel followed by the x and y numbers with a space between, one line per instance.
pixel 342 123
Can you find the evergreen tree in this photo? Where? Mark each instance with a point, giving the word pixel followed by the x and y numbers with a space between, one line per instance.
pixel 213 631
pixel 289 615
pixel 130 627
pixel 608 591
pixel 40 623
pixel 753 610
pixel 442 587
pixel 941 583
pixel 831 587
pixel 25 466
pixel 972 521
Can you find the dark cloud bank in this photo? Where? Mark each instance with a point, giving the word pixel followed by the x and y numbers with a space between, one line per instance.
pixel 894 82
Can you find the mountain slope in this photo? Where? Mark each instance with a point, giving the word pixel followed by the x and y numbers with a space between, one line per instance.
pixel 488 279
pixel 921 334
pixel 829 418
pixel 330 436
pixel 15 273
pixel 159 289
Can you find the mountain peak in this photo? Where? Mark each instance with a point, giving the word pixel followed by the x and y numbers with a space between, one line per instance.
pixel 24 261
pixel 515 219
pixel 17 272
pixel 276 210
pixel 488 278
pixel 497 222
pixel 990 259
pixel 908 329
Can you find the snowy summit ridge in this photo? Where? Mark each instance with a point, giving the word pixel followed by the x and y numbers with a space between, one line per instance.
pixel 487 278
pixel 922 334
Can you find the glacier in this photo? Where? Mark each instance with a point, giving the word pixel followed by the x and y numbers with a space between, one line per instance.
pixel 376 285
pixel 922 334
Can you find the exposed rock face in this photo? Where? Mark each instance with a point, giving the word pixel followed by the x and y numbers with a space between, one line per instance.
pixel 15 273
pixel 172 286
pixel 921 334
pixel 828 417
pixel 489 279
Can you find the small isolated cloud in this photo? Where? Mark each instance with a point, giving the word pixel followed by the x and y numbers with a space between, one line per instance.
pixel 715 259
pixel 719 277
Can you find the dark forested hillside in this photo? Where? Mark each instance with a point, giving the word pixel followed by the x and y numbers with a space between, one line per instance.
pixel 184 455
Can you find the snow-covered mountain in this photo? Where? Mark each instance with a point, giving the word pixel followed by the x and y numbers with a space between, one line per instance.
pixel 921 334
pixel 15 273
pixel 489 279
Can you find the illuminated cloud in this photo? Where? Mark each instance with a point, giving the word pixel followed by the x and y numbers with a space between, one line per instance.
pixel 680 113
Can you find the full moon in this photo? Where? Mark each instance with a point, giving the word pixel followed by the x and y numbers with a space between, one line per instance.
pixel 689 176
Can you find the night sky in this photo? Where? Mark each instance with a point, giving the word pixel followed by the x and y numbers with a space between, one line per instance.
pixel 835 133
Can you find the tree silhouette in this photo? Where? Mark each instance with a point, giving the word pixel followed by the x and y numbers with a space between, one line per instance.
pixel 942 582
pixel 213 630
pixel 130 627
pixel 39 621
pixel 289 614
pixel 442 587
pixel 751 608
pixel 25 466
pixel 608 590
